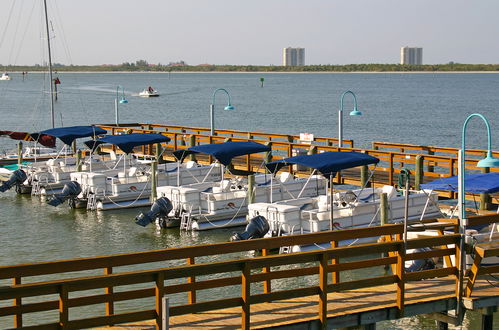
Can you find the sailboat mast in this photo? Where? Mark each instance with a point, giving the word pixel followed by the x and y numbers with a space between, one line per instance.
pixel 50 67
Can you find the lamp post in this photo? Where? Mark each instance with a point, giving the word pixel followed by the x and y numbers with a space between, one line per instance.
pixel 123 100
pixel 212 108
pixel 488 161
pixel 354 112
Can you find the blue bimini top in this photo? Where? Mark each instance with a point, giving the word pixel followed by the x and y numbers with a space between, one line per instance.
pixel 69 134
pixel 223 152
pixel 127 142
pixel 327 163
pixel 473 183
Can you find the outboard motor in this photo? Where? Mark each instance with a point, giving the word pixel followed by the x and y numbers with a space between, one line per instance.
pixel 70 191
pixel 16 179
pixel 160 209
pixel 256 228
pixel 419 264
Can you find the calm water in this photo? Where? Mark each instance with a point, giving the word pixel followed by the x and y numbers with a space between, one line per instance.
pixel 411 108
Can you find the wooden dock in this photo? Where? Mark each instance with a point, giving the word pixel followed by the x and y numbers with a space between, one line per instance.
pixel 345 309
pixel 425 163
pixel 260 290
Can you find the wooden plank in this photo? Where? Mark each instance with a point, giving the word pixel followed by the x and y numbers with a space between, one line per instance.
pixel 203 285
pixel 246 296
pixel 362 264
pixel 323 286
pixel 288 273
pixel 364 283
pixel 205 306
pixel 431 273
pixel 113 319
pixel 284 294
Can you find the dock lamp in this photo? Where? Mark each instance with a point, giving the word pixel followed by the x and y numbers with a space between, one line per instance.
pixel 354 112
pixel 212 108
pixel 123 100
pixel 488 161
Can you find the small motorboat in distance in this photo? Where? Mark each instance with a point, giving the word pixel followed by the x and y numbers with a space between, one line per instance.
pixel 5 76
pixel 149 92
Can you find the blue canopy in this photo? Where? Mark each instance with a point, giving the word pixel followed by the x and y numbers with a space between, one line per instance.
pixel 127 142
pixel 223 152
pixel 327 163
pixel 69 134
pixel 473 183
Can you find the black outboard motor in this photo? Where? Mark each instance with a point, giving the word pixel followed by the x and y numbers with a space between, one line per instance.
pixel 70 191
pixel 160 209
pixel 256 228
pixel 16 179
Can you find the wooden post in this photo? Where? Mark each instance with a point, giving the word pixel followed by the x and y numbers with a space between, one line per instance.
pixel 431 167
pixel 400 273
pixel 19 154
pixel 18 318
pixel 323 291
pixel 335 276
pixel 488 317
pixel 390 170
pixel 267 288
pixel 245 295
pixel 109 291
pixel 154 180
pixel 158 153
pixel 63 307
pixel 268 154
pixel 182 142
pixel 79 163
pixel 249 136
pixel 159 293
pixel 166 314
pixel 251 189
pixel 383 211
pixel 418 179
pixel 364 174
pixel 192 143
pixel 484 198
pixel 191 279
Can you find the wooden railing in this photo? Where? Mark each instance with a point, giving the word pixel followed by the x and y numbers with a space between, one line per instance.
pixel 72 284
pixel 423 167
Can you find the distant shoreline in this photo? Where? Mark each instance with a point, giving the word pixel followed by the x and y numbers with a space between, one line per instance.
pixel 255 72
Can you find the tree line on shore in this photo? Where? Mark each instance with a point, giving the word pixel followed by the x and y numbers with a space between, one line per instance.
pixel 182 67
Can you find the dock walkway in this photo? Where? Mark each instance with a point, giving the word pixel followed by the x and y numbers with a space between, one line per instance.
pixel 345 309
pixel 247 284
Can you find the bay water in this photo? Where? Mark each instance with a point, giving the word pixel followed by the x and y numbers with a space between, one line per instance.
pixel 416 108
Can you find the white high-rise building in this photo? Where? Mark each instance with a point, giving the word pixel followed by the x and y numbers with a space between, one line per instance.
pixel 411 55
pixel 293 56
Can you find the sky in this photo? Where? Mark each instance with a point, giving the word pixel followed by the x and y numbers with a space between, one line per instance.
pixel 94 32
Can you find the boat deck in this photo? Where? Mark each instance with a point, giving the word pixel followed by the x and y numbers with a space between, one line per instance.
pixel 347 308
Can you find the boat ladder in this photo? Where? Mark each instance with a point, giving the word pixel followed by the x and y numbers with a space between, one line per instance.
pixel 186 220
pixel 91 202
pixel 36 188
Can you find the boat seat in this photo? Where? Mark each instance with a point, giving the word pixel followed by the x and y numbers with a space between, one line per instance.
pixel 389 190
pixel 285 177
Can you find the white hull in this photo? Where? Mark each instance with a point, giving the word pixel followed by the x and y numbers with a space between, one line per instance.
pixel 308 215
pixel 100 189
pixel 227 200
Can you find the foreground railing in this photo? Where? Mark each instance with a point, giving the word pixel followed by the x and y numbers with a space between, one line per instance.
pixel 61 286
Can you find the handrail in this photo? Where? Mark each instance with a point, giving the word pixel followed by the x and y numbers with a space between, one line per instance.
pixel 230 271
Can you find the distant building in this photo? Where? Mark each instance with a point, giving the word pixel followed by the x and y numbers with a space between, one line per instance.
pixel 293 56
pixel 411 55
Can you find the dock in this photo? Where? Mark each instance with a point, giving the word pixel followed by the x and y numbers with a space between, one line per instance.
pixel 424 163
pixel 316 289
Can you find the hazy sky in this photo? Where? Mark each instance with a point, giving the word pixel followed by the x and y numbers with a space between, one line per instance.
pixel 250 32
